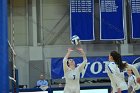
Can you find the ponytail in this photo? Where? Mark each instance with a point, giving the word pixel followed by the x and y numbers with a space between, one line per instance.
pixel 118 60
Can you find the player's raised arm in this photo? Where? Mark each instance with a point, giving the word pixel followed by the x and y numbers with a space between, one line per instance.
pixel 135 71
pixel 65 66
pixel 82 65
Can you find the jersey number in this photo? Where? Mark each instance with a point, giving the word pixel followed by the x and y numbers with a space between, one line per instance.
pixel 73 77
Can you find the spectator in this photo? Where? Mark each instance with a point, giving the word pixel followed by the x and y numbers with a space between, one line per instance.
pixel 42 83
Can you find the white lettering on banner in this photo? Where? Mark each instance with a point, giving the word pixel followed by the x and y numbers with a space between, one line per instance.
pixel 135 6
pixel 108 6
pixel 99 67
pixel 84 70
pixel 81 6
pixel 92 68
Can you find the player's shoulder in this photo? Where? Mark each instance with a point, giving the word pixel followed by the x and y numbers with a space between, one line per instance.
pixel 38 80
pixel 45 80
pixel 111 64
pixel 65 59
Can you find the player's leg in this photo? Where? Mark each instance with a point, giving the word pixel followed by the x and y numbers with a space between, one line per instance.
pixel 67 90
pixel 77 90
pixel 130 89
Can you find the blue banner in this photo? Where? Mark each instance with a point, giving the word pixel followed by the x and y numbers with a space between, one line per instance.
pixel 111 20
pixel 135 18
pixel 95 67
pixel 81 19
pixel 4 76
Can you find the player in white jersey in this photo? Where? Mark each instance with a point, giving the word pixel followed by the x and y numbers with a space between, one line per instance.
pixel 115 71
pixel 72 73
pixel 133 86
pixel 131 81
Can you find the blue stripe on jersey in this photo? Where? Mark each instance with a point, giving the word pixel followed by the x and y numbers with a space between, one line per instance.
pixel 74 42
pixel 125 91
pixel 134 80
pixel 110 69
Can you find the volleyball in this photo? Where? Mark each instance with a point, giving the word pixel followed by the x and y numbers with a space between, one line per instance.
pixel 75 40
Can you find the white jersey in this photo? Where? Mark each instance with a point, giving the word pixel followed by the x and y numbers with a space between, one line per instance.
pixel 136 74
pixel 117 77
pixel 72 77
pixel 132 82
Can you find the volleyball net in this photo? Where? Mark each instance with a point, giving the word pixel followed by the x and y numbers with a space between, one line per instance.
pixel 13 72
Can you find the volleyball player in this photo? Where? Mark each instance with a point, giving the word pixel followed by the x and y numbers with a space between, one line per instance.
pixel 133 86
pixel 72 73
pixel 116 70
pixel 131 81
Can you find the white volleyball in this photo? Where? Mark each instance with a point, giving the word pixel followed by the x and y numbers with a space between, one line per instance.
pixel 75 40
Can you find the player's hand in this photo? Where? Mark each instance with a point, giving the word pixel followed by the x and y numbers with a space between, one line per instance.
pixel 70 49
pixel 119 90
pixel 80 49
